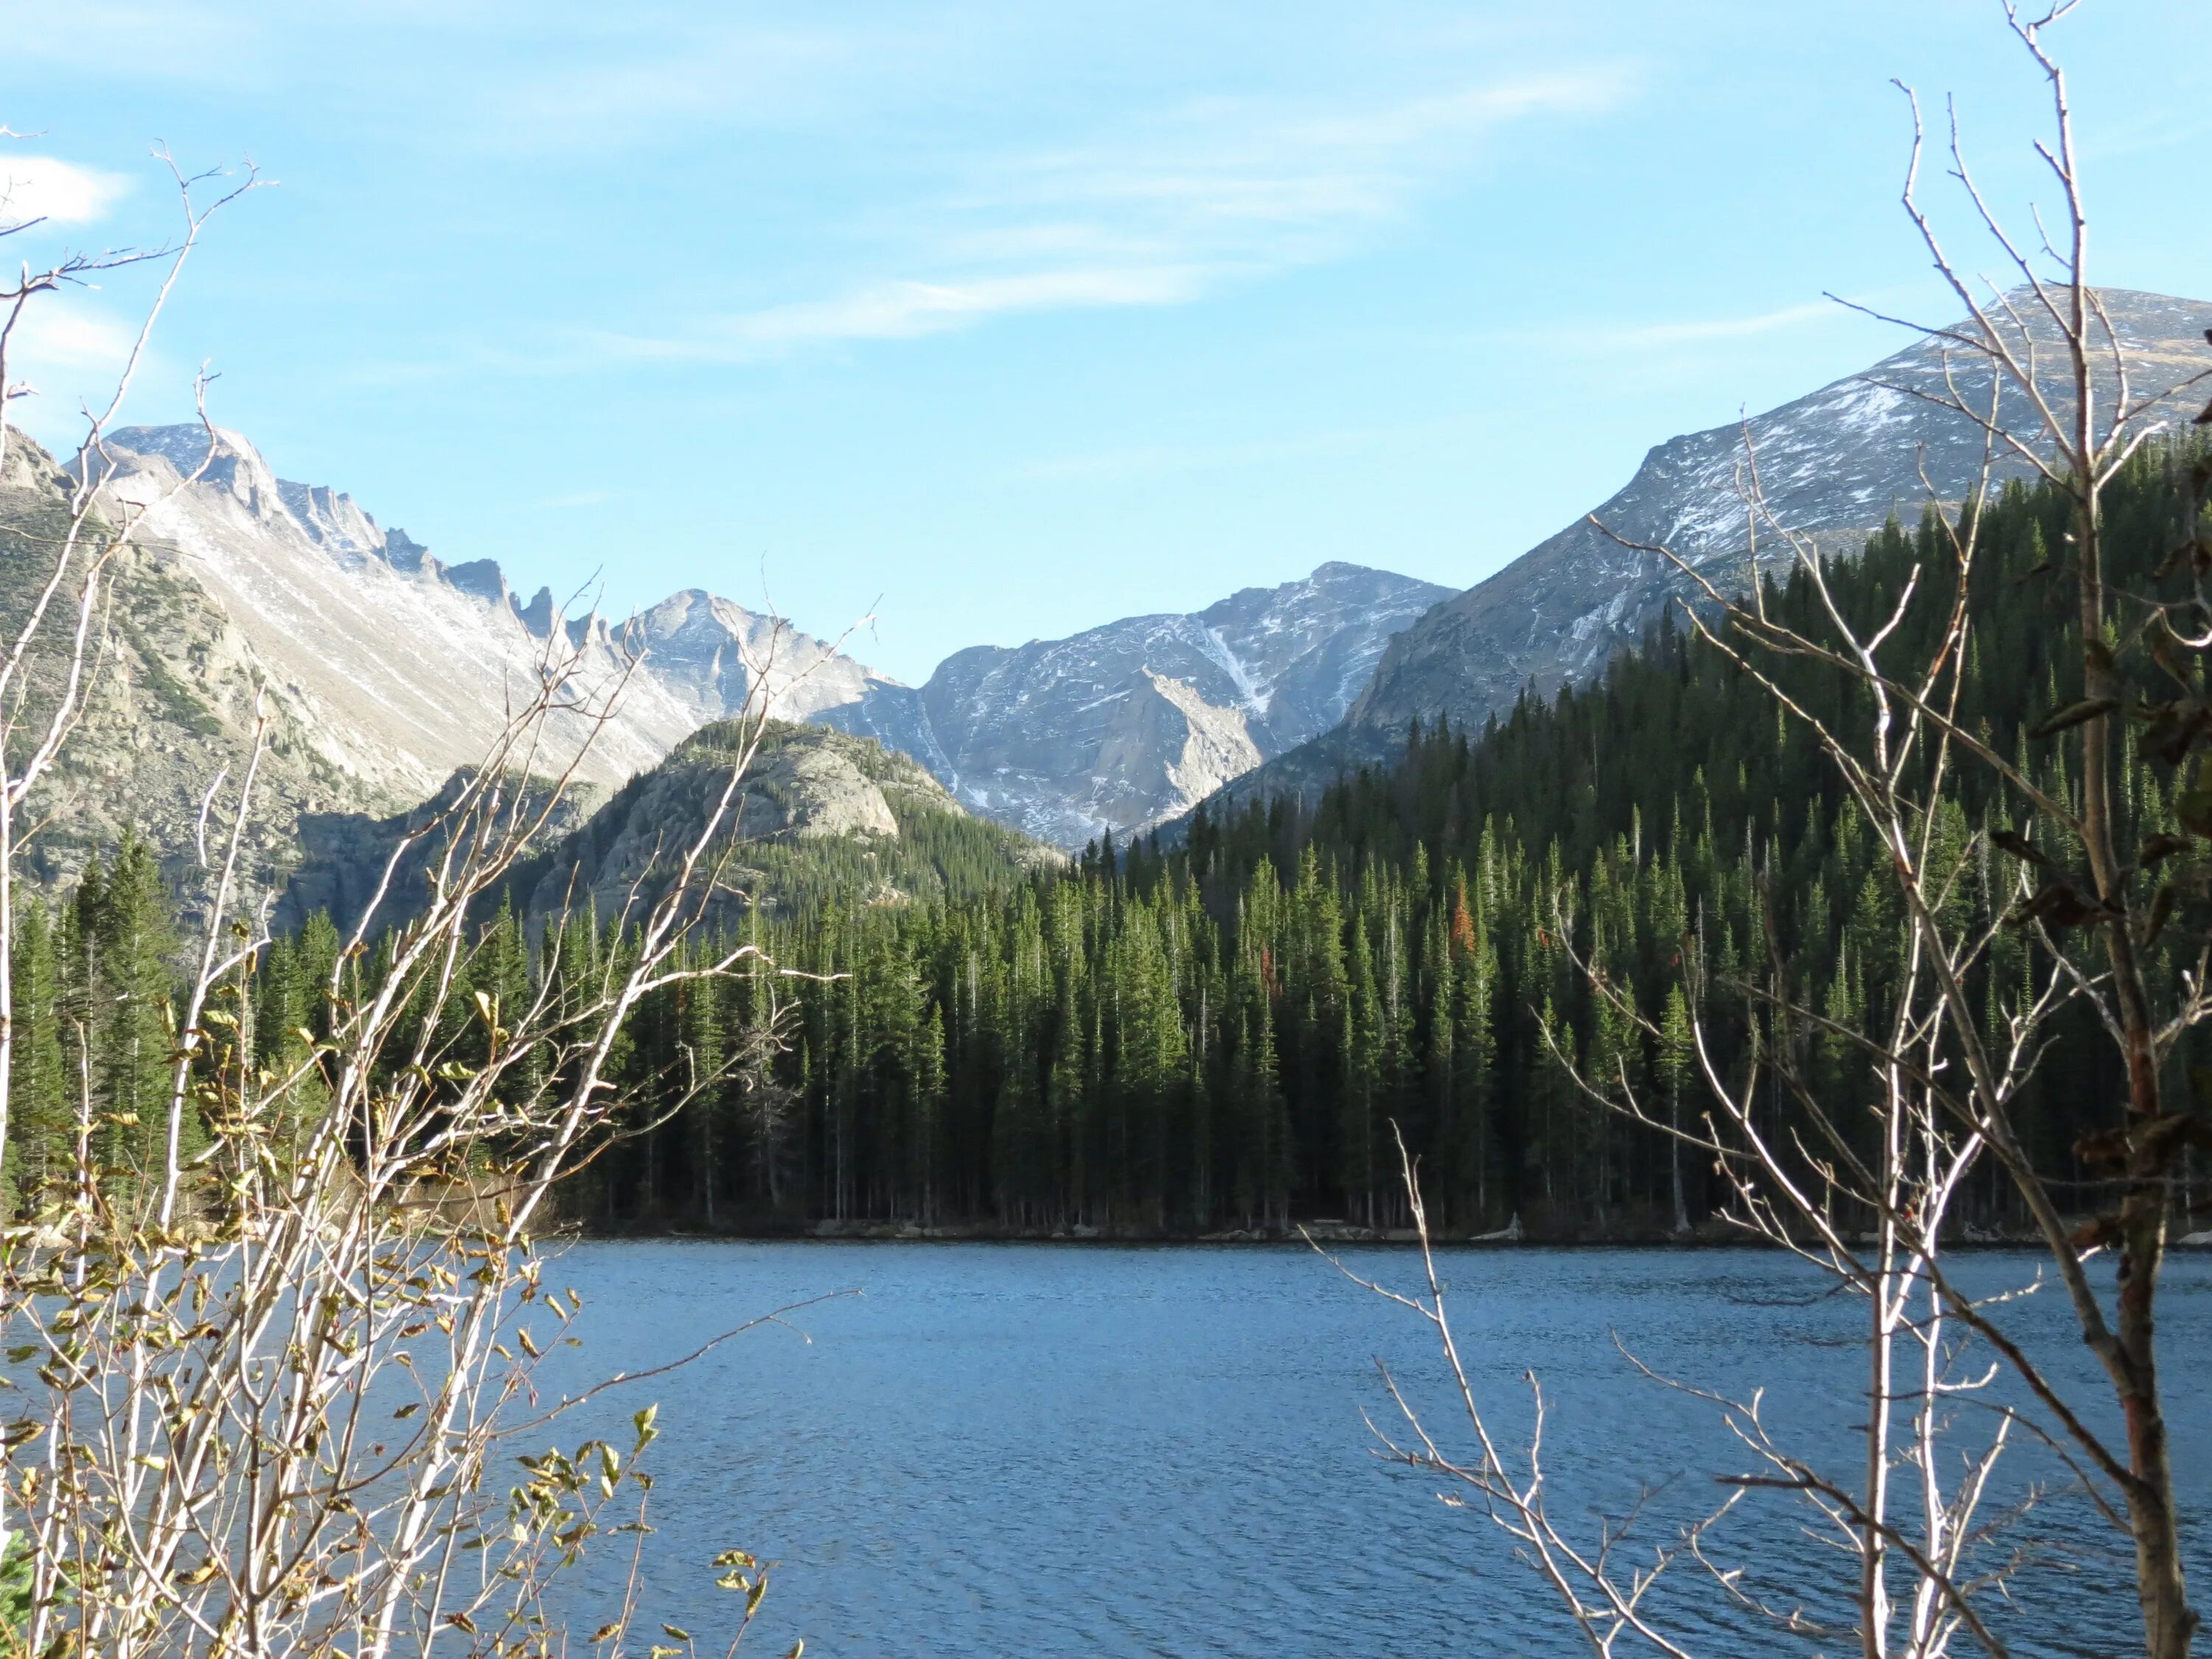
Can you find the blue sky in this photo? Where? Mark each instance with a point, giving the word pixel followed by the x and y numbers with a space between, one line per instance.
pixel 1001 319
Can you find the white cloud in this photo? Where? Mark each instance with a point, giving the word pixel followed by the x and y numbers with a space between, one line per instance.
pixel 898 310
pixel 60 192
pixel 56 335
pixel 906 310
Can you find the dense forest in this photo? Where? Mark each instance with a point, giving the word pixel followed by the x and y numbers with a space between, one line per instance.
pixel 1219 1036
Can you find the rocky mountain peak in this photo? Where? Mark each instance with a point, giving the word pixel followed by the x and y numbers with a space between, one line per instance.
pixel 1834 465
pixel 1122 727
pixel 228 466
pixel 392 668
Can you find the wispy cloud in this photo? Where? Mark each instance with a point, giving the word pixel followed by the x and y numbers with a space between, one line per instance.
pixel 61 193
pixel 55 336
pixel 904 310
pixel 738 74
pixel 194 40
pixel 1216 191
pixel 1657 337
pixel 1615 337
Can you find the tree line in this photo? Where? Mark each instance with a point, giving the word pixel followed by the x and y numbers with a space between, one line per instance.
pixel 1229 1034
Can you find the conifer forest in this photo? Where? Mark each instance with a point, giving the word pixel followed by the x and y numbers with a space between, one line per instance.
pixel 1219 1032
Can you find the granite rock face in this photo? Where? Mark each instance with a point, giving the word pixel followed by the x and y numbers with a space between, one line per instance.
pixel 382 671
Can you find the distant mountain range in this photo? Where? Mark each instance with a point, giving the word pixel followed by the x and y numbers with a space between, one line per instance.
pixel 389 669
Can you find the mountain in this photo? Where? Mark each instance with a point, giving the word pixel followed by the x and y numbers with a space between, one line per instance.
pixel 1835 465
pixel 386 669
pixel 821 815
pixel 711 654
pixel 1123 727
pixel 403 668
pixel 168 703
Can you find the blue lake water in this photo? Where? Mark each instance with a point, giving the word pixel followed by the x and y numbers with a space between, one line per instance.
pixel 1072 1450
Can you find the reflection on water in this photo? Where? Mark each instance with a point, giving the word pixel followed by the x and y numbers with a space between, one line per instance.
pixel 1040 1451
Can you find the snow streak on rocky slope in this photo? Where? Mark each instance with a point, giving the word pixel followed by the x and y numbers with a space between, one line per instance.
pixel 1127 726
pixel 1834 465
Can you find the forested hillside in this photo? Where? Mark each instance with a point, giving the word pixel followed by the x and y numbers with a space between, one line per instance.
pixel 1219 1038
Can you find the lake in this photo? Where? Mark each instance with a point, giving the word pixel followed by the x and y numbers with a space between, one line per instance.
pixel 1061 1450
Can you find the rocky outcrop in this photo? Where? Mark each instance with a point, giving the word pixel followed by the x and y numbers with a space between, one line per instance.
pixel 813 800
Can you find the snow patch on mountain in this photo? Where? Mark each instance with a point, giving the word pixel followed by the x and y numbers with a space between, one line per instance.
pixel 1834 465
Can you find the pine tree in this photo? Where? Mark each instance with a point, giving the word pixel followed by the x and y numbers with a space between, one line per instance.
pixel 40 1122
pixel 125 916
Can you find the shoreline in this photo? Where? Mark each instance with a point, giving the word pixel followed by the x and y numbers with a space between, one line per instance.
pixel 1324 1236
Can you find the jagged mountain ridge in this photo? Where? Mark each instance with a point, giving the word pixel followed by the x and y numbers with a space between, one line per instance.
pixel 388 671
pixel 1123 727
pixel 404 668
pixel 1834 465
pixel 385 669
